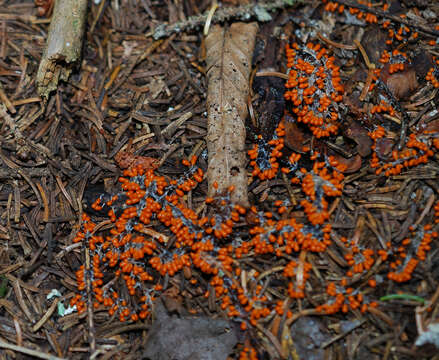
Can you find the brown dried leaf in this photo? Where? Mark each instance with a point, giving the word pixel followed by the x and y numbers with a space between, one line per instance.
pixel 431 127
pixel 358 133
pixel 352 164
pixel 126 159
pixel 353 102
pixel 309 333
pixel 178 338
pixel 384 147
pixel 374 42
pixel 422 62
pixel 295 138
pixel 228 60
pixel 401 84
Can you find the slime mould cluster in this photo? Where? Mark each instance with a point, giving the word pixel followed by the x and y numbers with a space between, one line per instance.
pixel 155 237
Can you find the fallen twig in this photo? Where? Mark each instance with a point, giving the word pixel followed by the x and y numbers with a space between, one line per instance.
pixel 259 12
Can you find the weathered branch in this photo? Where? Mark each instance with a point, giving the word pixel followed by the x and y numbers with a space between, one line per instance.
pixel 259 12
pixel 64 44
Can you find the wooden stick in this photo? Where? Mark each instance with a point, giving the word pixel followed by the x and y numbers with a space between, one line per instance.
pixel 64 44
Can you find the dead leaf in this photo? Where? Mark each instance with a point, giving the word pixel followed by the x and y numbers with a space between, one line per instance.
pixel 173 301
pixel 295 138
pixel 422 62
pixel 308 334
pixel 352 164
pixel 384 148
pixel 126 159
pixel 353 102
pixel 352 83
pixel 359 134
pixel 228 59
pixel 374 42
pixel 270 104
pixel 401 84
pixel 431 127
pixel 195 338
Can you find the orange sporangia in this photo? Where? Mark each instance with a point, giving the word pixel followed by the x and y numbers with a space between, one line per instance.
pixel 157 235
pixel 313 102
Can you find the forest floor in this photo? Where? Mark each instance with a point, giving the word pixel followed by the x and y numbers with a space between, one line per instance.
pixel 333 257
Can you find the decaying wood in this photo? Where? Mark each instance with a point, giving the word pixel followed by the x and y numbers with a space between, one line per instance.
pixel 64 44
pixel 259 12
pixel 229 53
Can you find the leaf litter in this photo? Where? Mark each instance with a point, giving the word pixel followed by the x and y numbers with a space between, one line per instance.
pixel 51 162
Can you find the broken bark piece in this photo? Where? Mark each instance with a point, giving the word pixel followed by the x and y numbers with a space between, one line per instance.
pixel 229 53
pixel 64 44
